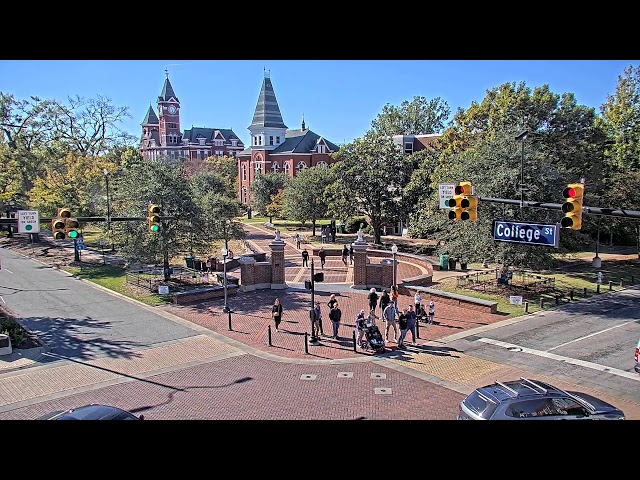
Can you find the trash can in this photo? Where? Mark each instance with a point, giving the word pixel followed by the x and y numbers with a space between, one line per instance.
pixel 341 228
pixel 452 263
pixel 189 261
pixel 197 265
pixel 444 259
pixel 463 264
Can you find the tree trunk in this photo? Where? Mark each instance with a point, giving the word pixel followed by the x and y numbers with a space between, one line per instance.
pixel 313 224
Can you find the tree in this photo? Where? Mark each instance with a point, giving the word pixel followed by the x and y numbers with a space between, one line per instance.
pixel 305 198
pixel 368 180
pixel 417 117
pixel 276 207
pixel 264 187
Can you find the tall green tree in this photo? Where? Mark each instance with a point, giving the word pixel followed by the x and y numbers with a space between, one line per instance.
pixel 368 180
pixel 305 199
pixel 416 117
pixel 264 187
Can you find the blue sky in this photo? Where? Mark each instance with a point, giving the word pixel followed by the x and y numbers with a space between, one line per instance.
pixel 339 98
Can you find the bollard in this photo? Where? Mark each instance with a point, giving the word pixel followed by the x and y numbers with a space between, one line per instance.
pixel 355 349
pixel 584 292
pixel 417 328
pixel 610 285
pixel 598 288
pixel 571 295
pixel 269 333
pixel 306 342
pixel 557 299
pixel 541 302
pixel 230 329
pixel 526 307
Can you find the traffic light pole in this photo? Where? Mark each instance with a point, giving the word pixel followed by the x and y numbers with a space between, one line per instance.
pixel 607 212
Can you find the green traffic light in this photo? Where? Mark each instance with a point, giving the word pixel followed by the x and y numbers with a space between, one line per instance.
pixel 155 228
pixel 73 234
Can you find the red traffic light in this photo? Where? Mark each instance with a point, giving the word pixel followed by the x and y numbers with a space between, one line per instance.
pixel 569 192
pixel 459 190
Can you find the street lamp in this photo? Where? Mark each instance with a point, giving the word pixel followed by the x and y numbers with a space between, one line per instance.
pixel 225 252
pixel 106 178
pixel 521 138
pixel 394 250
pixel 597 262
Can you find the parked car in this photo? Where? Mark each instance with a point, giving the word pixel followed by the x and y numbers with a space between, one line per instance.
pixel 92 412
pixel 637 367
pixel 526 399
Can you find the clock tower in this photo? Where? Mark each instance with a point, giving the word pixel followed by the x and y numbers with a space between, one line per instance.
pixel 169 115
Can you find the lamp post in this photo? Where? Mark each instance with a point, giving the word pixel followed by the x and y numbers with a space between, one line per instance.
pixel 106 178
pixel 597 262
pixel 225 252
pixel 521 138
pixel 394 250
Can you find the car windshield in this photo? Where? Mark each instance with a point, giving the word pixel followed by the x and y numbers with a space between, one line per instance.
pixel 480 405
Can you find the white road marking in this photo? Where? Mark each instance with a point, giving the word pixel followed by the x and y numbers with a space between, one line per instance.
pixel 587 336
pixel 560 358
pixel 2 299
pixel 7 270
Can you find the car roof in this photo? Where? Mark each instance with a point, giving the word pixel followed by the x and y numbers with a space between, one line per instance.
pixel 523 388
pixel 92 412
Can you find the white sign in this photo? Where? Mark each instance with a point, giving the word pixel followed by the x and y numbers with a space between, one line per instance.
pixel 163 289
pixel 445 192
pixel 515 299
pixel 28 221
pixel 101 242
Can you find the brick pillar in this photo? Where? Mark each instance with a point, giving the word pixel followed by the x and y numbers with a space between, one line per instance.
pixel 277 262
pixel 247 274
pixel 359 264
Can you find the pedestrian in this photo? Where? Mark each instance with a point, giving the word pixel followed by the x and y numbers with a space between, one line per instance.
pixel 351 254
pixel 276 313
pixel 297 239
pixel 389 313
pixel 209 264
pixel 384 300
pixel 323 257
pixel 394 295
pixel 411 324
pixel 417 300
pixel 360 323
pixel 373 299
pixel 305 258
pixel 345 254
pixel 402 323
pixel 371 319
pixel 421 313
pixel 432 311
pixel 323 235
pixel 335 314
pixel 332 301
pixel 318 316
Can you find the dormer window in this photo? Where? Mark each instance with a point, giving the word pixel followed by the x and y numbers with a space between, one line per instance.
pixel 234 143
pixel 322 149
pixel 201 140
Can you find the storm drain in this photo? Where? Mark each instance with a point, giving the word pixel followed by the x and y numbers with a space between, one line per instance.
pixel 345 374
pixel 382 391
pixel 378 375
pixel 308 376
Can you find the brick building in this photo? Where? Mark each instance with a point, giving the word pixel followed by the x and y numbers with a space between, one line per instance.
pixel 275 148
pixel 161 134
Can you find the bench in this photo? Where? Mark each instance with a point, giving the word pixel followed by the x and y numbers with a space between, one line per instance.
pixel 456 299
pixel 205 293
pixel 231 280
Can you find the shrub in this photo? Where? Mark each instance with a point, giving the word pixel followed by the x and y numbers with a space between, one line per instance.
pixel 16 333
pixel 351 225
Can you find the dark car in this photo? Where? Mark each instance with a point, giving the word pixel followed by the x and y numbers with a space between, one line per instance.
pixel 526 399
pixel 92 412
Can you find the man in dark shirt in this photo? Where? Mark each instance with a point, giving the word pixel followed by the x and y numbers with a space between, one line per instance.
pixel 323 257
pixel 305 258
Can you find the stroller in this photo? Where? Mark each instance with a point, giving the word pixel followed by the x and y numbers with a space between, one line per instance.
pixel 372 339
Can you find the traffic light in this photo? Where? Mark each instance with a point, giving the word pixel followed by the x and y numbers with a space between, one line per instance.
pixel 71 227
pixel 58 229
pixel 154 218
pixel 463 204
pixel 572 207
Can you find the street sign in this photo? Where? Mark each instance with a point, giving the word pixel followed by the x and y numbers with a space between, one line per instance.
pixel 515 299
pixel 530 233
pixel 445 192
pixel 79 244
pixel 28 221
pixel 101 242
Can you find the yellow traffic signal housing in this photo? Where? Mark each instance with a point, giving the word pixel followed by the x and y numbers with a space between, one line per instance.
pixel 463 188
pixel 71 227
pixel 463 204
pixel 572 207
pixel 455 204
pixel 154 218
pixel 58 229
pixel 64 212
pixel 469 206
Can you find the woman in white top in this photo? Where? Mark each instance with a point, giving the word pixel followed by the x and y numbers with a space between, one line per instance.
pixel 417 300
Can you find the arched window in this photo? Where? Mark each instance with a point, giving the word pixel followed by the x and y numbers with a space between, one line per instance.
pixel 258 167
pixel 301 166
pixel 275 167
pixel 322 164
pixel 244 195
pixel 286 168
pixel 244 172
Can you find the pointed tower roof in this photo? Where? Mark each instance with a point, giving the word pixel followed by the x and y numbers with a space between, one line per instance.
pixel 167 90
pixel 267 113
pixel 151 118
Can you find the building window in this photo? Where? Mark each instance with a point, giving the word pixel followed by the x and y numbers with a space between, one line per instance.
pixel 270 139
pixel 322 164
pixel 258 167
pixel 244 172
pixel 244 195
pixel 278 140
pixel 286 168
pixel 275 167
pixel 259 139
pixel 219 143
pixel 301 166
pixel 219 153
pixel 408 147
pixel 322 149
pixel 234 143
pixel 201 140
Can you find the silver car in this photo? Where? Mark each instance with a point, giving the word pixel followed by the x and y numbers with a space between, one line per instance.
pixel 526 399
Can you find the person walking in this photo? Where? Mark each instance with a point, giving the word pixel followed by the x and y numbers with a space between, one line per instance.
pixel 411 324
pixel 389 313
pixel 384 300
pixel 323 257
pixel 276 313
pixel 350 254
pixel 402 323
pixel 318 317
pixel 297 239
pixel 417 300
pixel 323 235
pixel 360 320
pixel 305 258
pixel 345 254
pixel 373 299
pixel 431 312
pixel 335 314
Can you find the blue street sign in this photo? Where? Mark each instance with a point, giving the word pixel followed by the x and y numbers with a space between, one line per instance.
pixel 531 233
